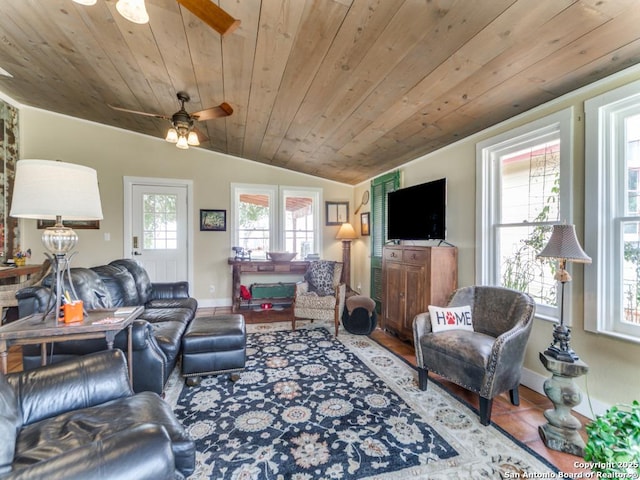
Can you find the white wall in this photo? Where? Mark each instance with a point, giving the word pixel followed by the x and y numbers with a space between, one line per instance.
pixel 116 153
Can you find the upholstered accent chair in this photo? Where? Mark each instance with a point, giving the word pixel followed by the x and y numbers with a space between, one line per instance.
pixel 487 360
pixel 320 296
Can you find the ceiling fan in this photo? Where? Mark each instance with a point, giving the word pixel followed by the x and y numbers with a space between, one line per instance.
pixel 183 132
pixel 206 10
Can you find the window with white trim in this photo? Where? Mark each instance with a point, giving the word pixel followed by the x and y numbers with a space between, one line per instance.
pixel 612 151
pixel 273 218
pixel 523 188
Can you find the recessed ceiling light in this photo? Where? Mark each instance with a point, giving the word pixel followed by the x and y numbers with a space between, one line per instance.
pixel 5 73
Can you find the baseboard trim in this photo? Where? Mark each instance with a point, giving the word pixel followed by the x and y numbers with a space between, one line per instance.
pixel 214 302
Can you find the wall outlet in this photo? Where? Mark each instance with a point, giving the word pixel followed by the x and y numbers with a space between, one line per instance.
pixel 212 289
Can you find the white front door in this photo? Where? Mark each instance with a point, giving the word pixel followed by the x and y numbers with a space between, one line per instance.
pixel 159 229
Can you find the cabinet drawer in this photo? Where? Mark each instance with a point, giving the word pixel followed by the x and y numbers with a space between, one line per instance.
pixel 393 254
pixel 418 257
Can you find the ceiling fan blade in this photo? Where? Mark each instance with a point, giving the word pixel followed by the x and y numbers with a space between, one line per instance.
pixel 222 110
pixel 164 117
pixel 212 15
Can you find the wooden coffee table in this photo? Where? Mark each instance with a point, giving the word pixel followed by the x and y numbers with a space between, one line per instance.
pixel 33 330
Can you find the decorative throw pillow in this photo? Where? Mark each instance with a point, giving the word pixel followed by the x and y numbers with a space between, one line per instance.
pixel 450 318
pixel 320 277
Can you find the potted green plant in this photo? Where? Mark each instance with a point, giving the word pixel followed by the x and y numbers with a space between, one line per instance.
pixel 613 444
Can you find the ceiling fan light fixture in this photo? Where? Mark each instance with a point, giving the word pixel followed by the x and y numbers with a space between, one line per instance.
pixel 172 136
pixel 192 139
pixel 133 10
pixel 182 143
pixel 86 2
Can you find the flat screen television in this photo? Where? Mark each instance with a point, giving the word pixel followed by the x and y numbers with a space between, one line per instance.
pixel 418 212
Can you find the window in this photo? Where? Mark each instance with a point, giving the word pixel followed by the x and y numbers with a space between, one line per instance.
pixel 261 226
pixel 160 227
pixel 612 282
pixel 524 187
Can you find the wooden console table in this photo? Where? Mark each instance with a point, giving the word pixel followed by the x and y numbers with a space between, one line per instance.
pixel 19 272
pixel 261 267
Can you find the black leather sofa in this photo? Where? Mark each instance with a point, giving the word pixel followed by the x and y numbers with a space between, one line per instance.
pixel 79 419
pixel 157 333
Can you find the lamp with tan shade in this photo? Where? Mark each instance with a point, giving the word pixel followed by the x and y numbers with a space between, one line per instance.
pixel 346 233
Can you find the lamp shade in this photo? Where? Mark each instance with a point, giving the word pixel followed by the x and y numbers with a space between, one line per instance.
pixel 172 136
pixel 133 10
pixel 564 244
pixel 192 139
pixel 45 189
pixel 346 232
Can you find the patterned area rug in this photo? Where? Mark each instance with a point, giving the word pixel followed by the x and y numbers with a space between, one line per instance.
pixel 309 406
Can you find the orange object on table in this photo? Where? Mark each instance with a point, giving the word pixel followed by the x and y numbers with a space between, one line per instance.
pixel 73 312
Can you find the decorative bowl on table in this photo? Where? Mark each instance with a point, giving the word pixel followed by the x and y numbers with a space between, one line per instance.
pixel 281 256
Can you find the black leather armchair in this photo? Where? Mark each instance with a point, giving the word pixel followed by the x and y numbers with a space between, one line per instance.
pixel 486 361
pixel 157 333
pixel 79 419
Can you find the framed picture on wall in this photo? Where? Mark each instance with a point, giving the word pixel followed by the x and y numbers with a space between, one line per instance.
pixel 337 213
pixel 75 224
pixel 364 224
pixel 213 220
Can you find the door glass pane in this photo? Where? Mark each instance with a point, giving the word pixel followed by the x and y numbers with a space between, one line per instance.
pixel 160 228
pixel 254 223
pixel 299 226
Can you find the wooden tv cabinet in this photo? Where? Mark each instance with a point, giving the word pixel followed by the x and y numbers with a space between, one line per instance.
pixel 412 279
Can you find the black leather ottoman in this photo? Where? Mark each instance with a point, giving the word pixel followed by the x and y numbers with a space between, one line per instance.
pixel 359 316
pixel 213 345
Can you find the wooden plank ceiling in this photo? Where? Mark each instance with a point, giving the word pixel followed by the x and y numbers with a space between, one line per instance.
pixel 342 89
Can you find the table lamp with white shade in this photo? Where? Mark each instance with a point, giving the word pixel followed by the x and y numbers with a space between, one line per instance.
pixel 54 190
pixel 564 247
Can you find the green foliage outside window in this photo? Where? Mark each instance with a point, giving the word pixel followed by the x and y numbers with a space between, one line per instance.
pixel 632 255
pixel 252 215
pixel 522 268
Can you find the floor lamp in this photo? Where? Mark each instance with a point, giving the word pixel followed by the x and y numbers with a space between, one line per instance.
pixel 562 430
pixel 346 233
pixel 53 190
